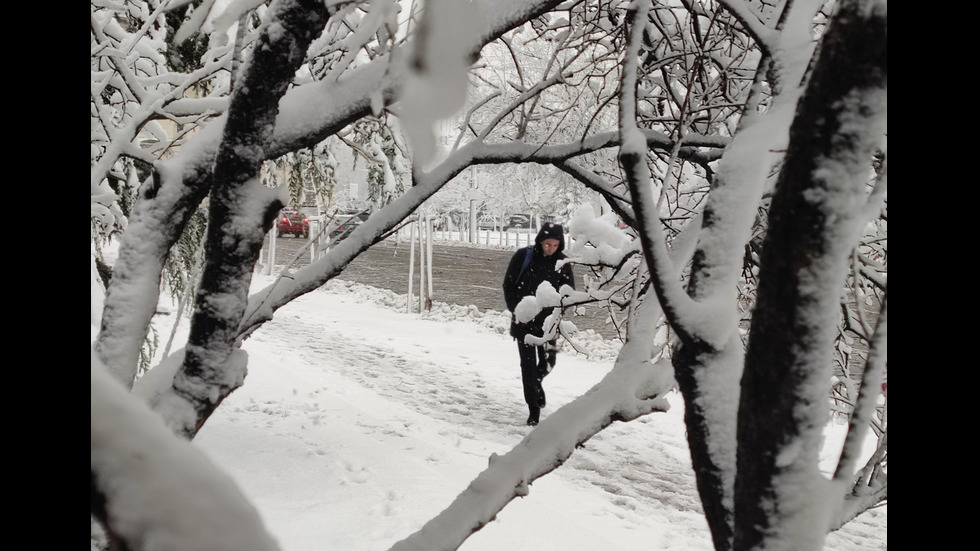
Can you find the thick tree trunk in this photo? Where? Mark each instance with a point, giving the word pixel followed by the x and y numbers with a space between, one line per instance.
pixel 814 220
pixel 240 214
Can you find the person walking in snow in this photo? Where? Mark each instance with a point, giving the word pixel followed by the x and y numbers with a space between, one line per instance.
pixel 528 268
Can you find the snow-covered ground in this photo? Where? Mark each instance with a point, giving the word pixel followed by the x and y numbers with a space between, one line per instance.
pixel 359 421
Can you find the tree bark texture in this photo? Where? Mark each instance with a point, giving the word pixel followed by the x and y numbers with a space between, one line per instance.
pixel 778 498
pixel 237 225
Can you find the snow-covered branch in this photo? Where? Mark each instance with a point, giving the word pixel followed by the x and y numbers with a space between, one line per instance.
pixel 865 485
pixel 766 37
pixel 264 303
pixel 307 114
pixel 617 201
pixel 632 389
pixel 156 96
pixel 633 150
pixel 142 475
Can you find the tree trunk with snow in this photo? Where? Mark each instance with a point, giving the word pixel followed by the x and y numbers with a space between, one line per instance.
pixel 240 214
pixel 818 210
pixel 708 358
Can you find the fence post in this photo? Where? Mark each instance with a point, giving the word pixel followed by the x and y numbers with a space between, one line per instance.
pixel 428 266
pixel 411 265
pixel 310 238
pixel 422 263
pixel 272 252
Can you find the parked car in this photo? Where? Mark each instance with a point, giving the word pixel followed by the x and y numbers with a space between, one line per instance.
pixel 293 221
pixel 344 222
pixel 518 221
pixel 487 223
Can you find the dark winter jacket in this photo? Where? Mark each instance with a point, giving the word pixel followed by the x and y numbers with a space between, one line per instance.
pixel 520 282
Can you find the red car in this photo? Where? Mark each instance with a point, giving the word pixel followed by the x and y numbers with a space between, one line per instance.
pixel 294 222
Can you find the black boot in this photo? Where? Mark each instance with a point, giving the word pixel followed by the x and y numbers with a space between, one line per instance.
pixel 533 418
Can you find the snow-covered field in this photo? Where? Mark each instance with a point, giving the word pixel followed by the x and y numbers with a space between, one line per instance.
pixel 358 422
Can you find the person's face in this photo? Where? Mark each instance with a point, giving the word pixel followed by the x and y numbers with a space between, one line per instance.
pixel 549 246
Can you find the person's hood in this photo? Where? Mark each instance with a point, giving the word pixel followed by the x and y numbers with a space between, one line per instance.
pixel 551 231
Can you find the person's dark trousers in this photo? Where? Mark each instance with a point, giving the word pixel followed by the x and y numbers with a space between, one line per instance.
pixel 533 358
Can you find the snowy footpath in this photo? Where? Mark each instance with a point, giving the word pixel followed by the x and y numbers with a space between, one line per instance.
pixel 358 422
